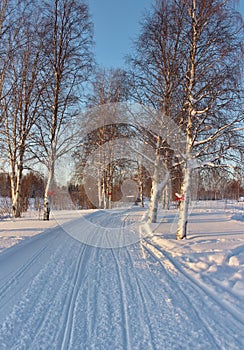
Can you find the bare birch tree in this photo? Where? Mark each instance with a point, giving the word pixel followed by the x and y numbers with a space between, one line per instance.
pixel 212 87
pixel 4 12
pixel 188 58
pixel 22 86
pixel 109 87
pixel 67 32
pixel 156 67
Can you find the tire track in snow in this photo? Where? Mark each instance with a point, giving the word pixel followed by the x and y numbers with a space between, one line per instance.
pixel 98 319
pixel 59 299
pixel 7 254
pixel 233 297
pixel 150 319
pixel 204 319
pixel 234 313
pixel 118 219
pixel 7 290
pixel 122 288
pixel 72 296
pixel 124 304
pixel 89 293
pixel 102 301
pixel 182 294
pixel 168 290
pixel 33 317
pixel 7 286
pixel 140 285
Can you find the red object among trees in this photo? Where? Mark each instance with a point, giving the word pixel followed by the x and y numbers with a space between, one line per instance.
pixel 179 197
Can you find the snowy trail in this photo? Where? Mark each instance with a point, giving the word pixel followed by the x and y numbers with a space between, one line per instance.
pixel 233 310
pixel 217 317
pixel 58 293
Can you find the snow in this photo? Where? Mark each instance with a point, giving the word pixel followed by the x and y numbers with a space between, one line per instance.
pixel 63 291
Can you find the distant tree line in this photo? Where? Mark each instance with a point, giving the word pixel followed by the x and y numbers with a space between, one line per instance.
pixel 32 189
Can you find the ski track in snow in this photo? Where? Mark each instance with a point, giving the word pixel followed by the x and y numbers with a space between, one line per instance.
pixel 221 323
pixel 57 293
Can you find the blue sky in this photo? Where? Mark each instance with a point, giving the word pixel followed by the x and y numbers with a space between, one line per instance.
pixel 116 23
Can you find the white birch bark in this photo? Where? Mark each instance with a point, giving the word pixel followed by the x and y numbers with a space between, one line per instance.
pixel 104 198
pixel 141 195
pixel 140 185
pixel 166 197
pixel 100 193
pixel 15 193
pixel 16 182
pixel 158 185
pixel 191 113
pixel 50 179
pixel 184 204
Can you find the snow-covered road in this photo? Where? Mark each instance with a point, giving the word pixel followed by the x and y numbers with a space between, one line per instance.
pixel 59 293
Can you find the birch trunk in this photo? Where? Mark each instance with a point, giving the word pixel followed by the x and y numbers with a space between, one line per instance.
pixel 191 113
pixel 16 182
pixel 166 197
pixel 100 193
pixel 157 188
pixel 140 185
pixel 104 198
pixel 49 184
pixel 15 193
pixel 141 195
pixel 184 205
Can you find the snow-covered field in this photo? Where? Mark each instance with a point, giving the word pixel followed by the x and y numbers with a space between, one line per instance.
pixel 156 293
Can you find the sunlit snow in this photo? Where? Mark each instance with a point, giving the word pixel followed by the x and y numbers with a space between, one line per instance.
pixel 57 292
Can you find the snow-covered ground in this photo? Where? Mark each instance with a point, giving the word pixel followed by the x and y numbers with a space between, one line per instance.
pixel 56 292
